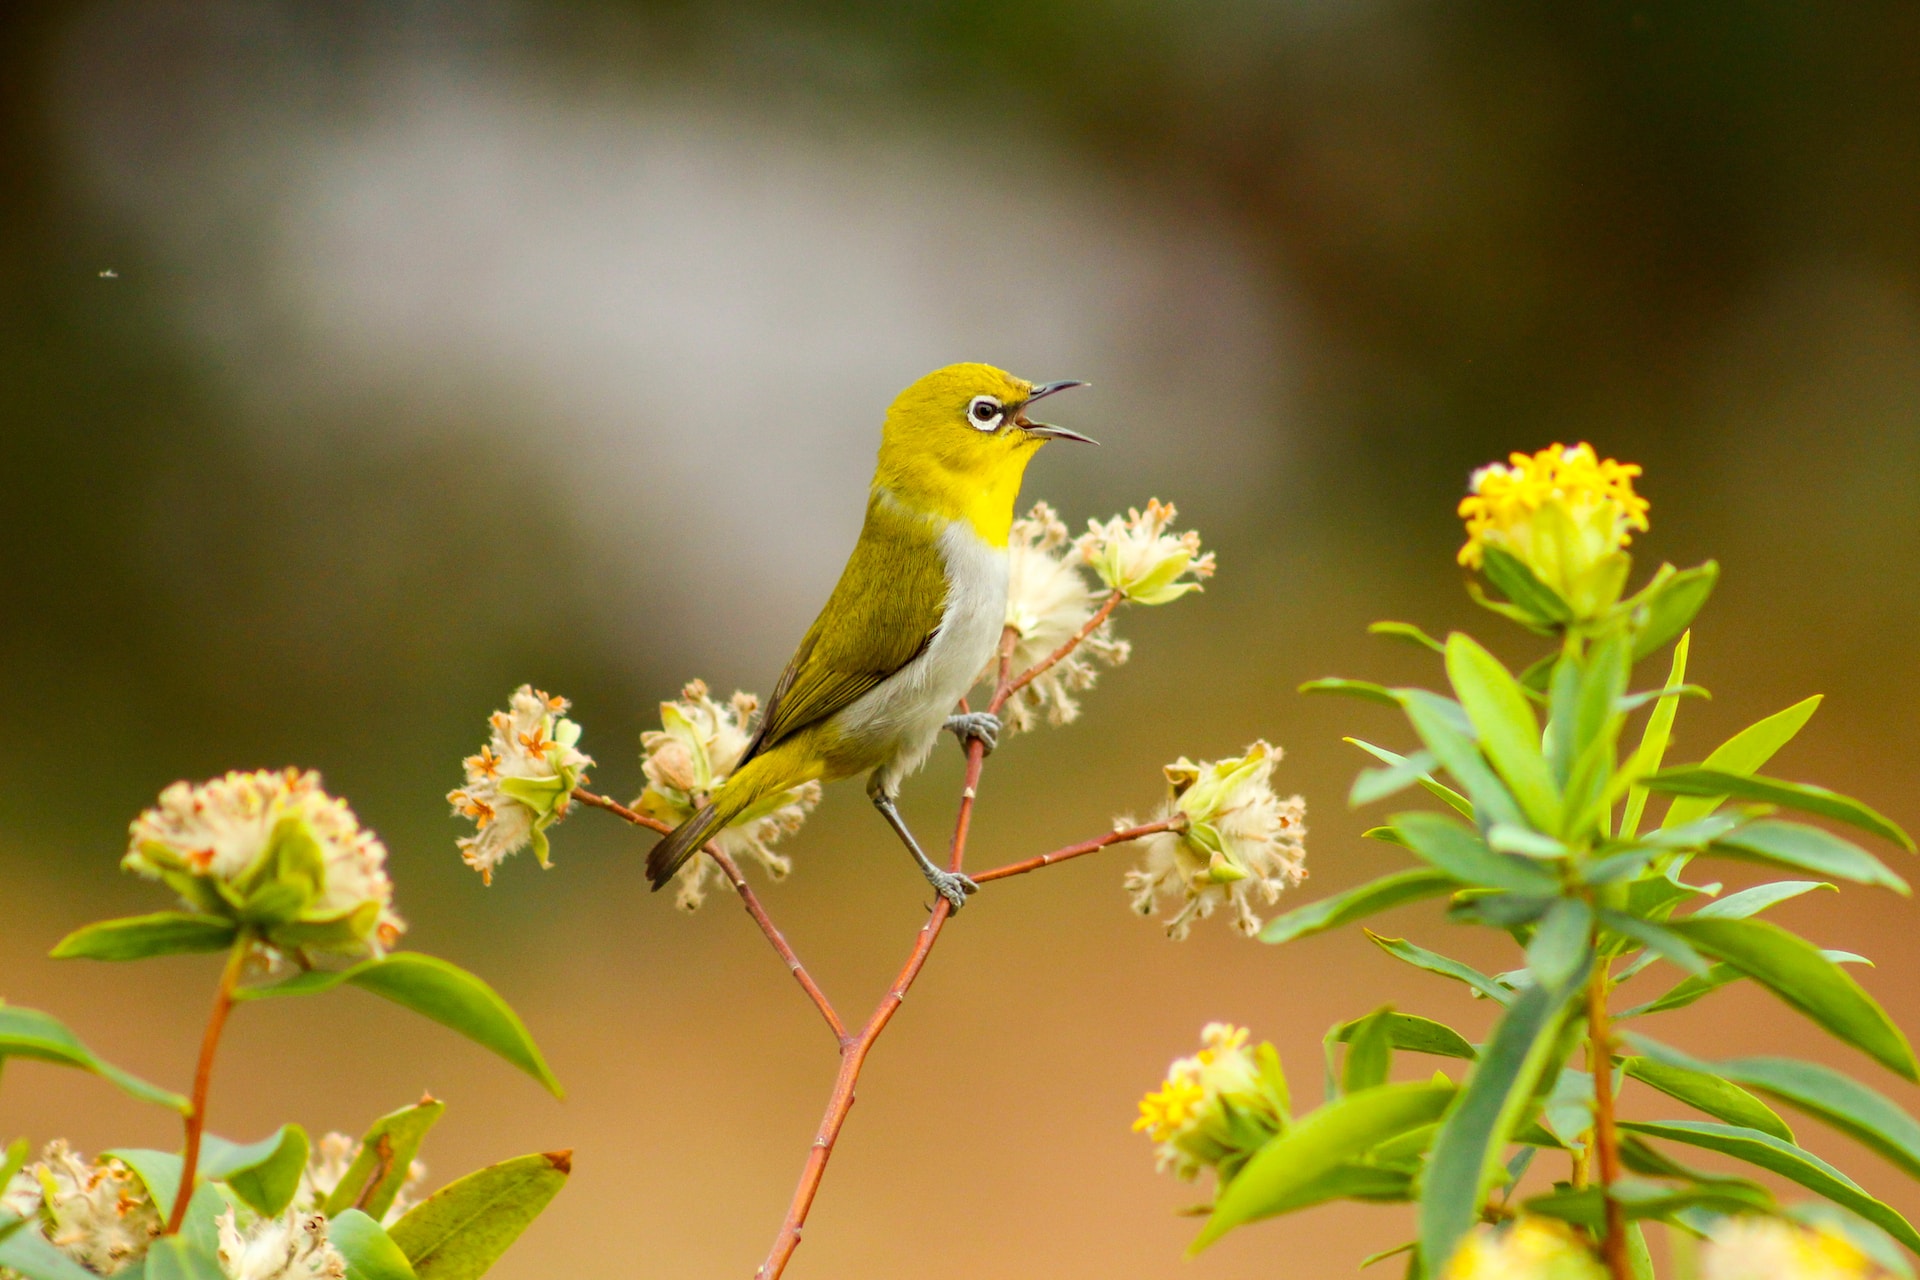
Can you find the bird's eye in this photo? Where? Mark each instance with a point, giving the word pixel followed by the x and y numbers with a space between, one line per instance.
pixel 984 412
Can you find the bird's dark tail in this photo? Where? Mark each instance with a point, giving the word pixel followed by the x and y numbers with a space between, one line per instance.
pixel 682 843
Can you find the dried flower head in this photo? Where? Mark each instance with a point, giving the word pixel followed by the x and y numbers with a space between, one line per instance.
pixel 1238 839
pixel 1531 1248
pixel 699 743
pixel 329 1161
pixel 98 1214
pixel 1137 557
pixel 272 848
pixel 522 781
pixel 1757 1248
pixel 1565 513
pixel 1048 602
pixel 1215 1109
pixel 291 1247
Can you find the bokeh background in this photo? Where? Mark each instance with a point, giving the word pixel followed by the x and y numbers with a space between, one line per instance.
pixel 450 346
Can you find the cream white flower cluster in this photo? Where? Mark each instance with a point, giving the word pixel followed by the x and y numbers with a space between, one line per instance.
pixel 1531 1248
pixel 221 843
pixel 329 1161
pixel 292 1246
pixel 1048 602
pixel 1216 1108
pixel 1238 840
pixel 1140 559
pixel 521 782
pixel 1759 1248
pixel 97 1213
pixel 699 742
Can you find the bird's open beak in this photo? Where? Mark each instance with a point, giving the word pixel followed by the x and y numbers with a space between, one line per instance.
pixel 1044 430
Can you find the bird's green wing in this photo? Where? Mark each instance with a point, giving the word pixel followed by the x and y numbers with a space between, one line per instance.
pixel 880 617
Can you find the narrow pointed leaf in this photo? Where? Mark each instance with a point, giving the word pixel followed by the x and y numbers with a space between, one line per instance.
pixel 1315 1145
pixel 1704 1091
pixel 370 1252
pixel 1407 632
pixel 462 1229
pixel 1795 970
pixel 1461 853
pixel 1365 690
pixel 1454 800
pixel 1433 962
pixel 1785 1159
pixel 29 1033
pixel 1369 1053
pixel 163 933
pixel 1434 719
pixel 1659 939
pixel 1466 1161
pixel 1358 903
pixel 435 989
pixel 1744 753
pixel 379 1169
pixel 1799 847
pixel 1414 1034
pixel 1508 731
pixel 1670 607
pixel 1837 1099
pixel 1703 782
pixel 1562 943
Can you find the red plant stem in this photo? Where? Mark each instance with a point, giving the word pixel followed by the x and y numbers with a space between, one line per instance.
pixel 748 899
pixel 1078 850
pixel 854 1049
pixel 1606 1139
pixel 196 1119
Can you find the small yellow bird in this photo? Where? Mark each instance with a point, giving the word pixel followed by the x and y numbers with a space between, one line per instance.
pixel 914 620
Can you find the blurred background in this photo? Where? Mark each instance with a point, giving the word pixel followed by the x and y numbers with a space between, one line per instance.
pixel 359 362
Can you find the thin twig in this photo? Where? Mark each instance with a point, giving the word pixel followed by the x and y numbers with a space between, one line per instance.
pixel 1059 655
pixel 1606 1139
pixel 196 1120
pixel 1078 850
pixel 748 899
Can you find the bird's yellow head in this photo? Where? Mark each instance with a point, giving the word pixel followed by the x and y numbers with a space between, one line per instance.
pixel 957 442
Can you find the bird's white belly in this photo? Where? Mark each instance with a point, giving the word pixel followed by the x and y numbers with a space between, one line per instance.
pixel 902 716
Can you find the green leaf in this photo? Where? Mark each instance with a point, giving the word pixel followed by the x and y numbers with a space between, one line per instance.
pixel 265 1174
pixel 434 989
pixel 1315 1145
pixel 1795 970
pixel 1434 719
pixel 462 1229
pixel 1562 943
pixel 1642 1200
pixel 1744 753
pixel 1836 1099
pixel 1508 731
pixel 28 1253
pixel 1717 976
pixel 1751 902
pixel 1408 632
pixel 1653 740
pixel 1790 1162
pixel 164 933
pixel 1433 962
pixel 1369 1053
pixel 29 1033
pixel 379 1169
pixel 1466 1161
pixel 1667 608
pixel 1459 803
pixel 1414 1034
pixel 1357 904
pixel 1365 690
pixel 1799 847
pixel 1658 939
pixel 177 1258
pixel 1376 784
pixel 370 1252
pixel 1462 854
pixel 1538 602
pixel 1698 1087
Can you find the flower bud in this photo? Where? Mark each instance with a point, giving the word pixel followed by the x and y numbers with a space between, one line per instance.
pixel 698 744
pixel 521 782
pixel 293 1246
pixel 1215 1109
pixel 1531 1248
pixel 1759 1248
pixel 1137 557
pixel 274 852
pixel 1565 514
pixel 99 1213
pixel 1048 602
pixel 1237 839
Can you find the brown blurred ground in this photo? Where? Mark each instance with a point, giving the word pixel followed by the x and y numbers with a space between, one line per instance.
pixel 449 351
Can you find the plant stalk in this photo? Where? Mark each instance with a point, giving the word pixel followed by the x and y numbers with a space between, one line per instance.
pixel 1606 1138
pixel 196 1120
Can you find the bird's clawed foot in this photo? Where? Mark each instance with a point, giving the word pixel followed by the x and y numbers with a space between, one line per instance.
pixel 981 726
pixel 953 886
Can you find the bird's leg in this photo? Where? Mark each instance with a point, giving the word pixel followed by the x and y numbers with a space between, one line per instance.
pixel 950 885
pixel 971 725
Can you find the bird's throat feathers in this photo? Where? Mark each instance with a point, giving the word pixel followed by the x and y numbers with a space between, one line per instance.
pixel 983 497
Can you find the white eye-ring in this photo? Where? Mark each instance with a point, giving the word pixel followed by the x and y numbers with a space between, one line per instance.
pixel 984 413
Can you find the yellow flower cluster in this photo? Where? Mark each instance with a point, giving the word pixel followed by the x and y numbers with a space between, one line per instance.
pixel 1507 498
pixel 1756 1248
pixel 1216 1108
pixel 1529 1249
